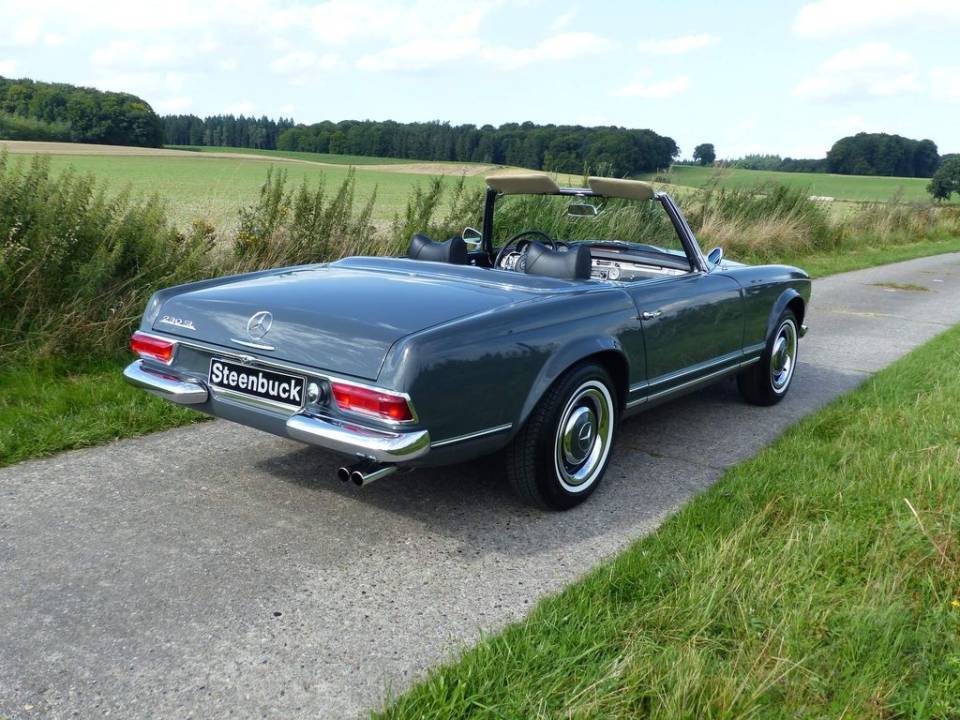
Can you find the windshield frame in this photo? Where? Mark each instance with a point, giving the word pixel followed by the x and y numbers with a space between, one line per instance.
pixel 691 248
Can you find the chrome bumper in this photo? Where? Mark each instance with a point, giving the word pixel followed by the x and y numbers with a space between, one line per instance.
pixel 169 387
pixel 382 446
pixel 344 437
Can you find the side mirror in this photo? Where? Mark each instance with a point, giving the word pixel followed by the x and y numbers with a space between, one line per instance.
pixel 472 237
pixel 715 256
pixel 582 209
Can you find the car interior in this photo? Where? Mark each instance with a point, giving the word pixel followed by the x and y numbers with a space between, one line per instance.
pixel 609 231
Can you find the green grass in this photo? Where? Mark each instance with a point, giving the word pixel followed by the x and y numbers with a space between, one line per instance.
pixel 296 155
pixel 841 187
pixel 832 263
pixel 48 408
pixel 820 579
pixel 214 188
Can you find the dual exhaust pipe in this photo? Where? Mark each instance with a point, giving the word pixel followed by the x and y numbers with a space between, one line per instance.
pixel 364 473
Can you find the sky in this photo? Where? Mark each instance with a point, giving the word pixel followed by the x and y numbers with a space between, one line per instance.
pixel 753 76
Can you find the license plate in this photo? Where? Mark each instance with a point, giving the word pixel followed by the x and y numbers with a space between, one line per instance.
pixel 275 387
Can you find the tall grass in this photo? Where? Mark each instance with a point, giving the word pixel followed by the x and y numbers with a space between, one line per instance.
pixel 77 263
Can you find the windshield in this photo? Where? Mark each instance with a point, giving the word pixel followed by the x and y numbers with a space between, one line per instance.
pixel 643 225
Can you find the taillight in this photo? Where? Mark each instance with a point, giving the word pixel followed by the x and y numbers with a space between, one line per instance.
pixel 372 402
pixel 149 346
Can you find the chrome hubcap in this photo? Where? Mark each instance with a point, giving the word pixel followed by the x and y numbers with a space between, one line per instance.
pixel 783 358
pixel 583 436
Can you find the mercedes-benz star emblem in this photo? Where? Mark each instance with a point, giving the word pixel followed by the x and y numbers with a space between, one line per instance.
pixel 585 435
pixel 259 324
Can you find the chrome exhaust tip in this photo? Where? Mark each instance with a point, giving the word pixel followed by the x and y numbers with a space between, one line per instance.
pixel 343 474
pixel 367 474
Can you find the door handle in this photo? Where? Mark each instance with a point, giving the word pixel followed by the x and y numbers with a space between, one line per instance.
pixel 646 315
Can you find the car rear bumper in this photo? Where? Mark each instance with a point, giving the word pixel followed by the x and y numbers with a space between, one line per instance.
pixel 340 436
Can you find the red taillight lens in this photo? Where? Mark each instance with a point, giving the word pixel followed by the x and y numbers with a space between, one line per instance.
pixel 371 402
pixel 148 346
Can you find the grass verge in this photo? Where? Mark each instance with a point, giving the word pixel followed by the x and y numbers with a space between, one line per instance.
pixel 52 407
pixel 820 579
pixel 820 265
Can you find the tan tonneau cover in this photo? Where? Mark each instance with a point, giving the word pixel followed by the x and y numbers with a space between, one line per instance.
pixel 619 188
pixel 523 184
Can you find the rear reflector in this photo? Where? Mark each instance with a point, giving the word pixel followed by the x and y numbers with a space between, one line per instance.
pixel 154 348
pixel 371 402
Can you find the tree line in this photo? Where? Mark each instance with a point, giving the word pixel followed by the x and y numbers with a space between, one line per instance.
pixel 562 148
pixel 224 131
pixel 31 110
pixel 860 154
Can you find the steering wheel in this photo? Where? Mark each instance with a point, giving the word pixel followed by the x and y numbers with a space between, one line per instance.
pixel 518 241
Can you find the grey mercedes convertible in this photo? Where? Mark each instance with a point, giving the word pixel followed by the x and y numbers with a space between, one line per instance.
pixel 568 310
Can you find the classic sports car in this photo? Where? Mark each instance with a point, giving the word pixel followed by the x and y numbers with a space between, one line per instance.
pixel 535 341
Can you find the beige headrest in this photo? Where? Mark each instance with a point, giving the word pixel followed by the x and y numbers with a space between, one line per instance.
pixel 523 183
pixel 618 188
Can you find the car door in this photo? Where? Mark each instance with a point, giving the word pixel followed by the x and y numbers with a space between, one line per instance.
pixel 692 323
pixel 692 327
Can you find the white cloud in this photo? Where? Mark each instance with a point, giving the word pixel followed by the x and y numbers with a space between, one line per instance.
pixel 430 53
pixel 678 45
pixel 172 105
pixel 418 55
pixel 287 109
pixel 869 70
pixel 304 61
pixel 945 83
pixel 564 20
pixel 127 54
pixel 244 107
pixel 8 68
pixel 657 90
pixel 564 46
pixel 828 18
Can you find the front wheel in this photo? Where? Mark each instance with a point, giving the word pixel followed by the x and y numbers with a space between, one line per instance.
pixel 767 382
pixel 561 453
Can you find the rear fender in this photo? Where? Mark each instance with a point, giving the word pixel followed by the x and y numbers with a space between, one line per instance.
pixel 562 360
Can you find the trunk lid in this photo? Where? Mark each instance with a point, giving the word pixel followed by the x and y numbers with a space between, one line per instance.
pixel 342 317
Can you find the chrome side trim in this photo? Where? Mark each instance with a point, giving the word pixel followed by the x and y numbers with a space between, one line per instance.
pixel 169 387
pixel 472 436
pixel 690 383
pixel 336 435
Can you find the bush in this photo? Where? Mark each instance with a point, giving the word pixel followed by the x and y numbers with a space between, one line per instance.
pixel 76 265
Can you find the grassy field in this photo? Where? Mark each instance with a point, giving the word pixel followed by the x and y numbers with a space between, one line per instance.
pixel 211 187
pixel 820 579
pixel 327 158
pixel 841 187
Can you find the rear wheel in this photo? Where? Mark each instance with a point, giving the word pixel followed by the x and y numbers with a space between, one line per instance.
pixel 767 382
pixel 562 452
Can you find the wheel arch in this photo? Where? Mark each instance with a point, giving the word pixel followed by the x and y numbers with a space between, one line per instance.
pixel 789 299
pixel 606 351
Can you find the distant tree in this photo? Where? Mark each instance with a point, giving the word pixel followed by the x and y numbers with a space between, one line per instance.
pixel 946 180
pixel 704 154
pixel 883 154
pixel 44 111
pixel 560 148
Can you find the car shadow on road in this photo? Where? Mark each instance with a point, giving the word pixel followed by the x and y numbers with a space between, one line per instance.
pixel 663 457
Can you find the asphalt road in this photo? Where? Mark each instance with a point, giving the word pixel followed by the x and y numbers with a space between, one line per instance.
pixel 214 571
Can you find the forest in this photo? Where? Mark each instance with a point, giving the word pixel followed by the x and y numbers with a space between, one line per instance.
pixel 563 148
pixel 31 110
pixel 224 131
